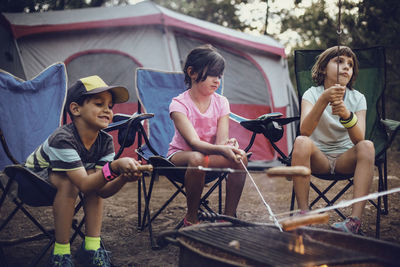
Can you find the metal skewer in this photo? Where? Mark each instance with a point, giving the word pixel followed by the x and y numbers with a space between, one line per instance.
pixel 341 204
pixel 262 198
pixel 279 171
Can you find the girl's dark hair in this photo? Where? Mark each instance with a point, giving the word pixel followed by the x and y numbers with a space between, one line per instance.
pixel 205 61
pixel 318 71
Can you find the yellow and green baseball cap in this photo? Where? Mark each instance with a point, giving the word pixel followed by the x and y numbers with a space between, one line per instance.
pixel 94 85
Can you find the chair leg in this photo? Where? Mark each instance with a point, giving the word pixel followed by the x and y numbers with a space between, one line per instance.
pixel 43 252
pixel 378 219
pixel 146 214
pixel 385 210
pixel 322 195
pixel 203 200
pixel 155 215
pixel 139 201
pixel 292 200
pixel 220 198
pixel 6 190
pixel 77 230
pixel 10 216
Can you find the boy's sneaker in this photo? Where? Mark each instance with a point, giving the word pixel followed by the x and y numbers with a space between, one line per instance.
pixel 99 257
pixel 61 261
pixel 350 225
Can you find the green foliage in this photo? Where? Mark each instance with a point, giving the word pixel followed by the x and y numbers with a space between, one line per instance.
pixel 222 12
pixel 366 23
pixel 44 5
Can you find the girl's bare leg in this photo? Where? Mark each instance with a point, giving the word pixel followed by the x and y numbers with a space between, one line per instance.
pixel 194 181
pixel 359 159
pixel 305 153
pixel 234 184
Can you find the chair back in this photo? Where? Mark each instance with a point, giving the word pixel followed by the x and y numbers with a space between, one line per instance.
pixel 30 110
pixel 155 90
pixel 371 81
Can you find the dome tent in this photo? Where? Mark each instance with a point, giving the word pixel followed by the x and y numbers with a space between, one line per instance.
pixel 113 41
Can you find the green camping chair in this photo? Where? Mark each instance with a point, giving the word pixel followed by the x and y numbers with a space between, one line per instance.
pixel 370 82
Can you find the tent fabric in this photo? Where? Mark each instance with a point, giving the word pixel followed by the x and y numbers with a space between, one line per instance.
pixel 113 41
pixel 30 110
pixel 151 13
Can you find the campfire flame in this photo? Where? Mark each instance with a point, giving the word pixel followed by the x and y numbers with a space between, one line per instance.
pixel 297 245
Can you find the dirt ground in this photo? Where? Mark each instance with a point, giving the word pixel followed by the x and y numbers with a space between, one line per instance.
pixel 131 247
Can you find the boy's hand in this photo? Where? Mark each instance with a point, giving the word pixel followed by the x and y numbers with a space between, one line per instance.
pixel 127 167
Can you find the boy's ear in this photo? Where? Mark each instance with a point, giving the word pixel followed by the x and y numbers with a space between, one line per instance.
pixel 74 108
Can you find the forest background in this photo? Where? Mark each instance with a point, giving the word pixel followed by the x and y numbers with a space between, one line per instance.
pixel 297 24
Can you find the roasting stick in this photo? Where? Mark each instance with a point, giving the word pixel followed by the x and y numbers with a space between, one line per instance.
pixel 262 198
pixel 279 171
pixel 290 223
pixel 145 168
pixel 346 203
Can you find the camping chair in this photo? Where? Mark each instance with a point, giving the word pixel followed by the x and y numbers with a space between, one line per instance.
pixel 371 82
pixel 36 113
pixel 33 191
pixel 155 91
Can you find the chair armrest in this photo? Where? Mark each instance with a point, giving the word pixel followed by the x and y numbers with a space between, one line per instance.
pixel 120 120
pixel 270 125
pixel 127 126
pixel 391 126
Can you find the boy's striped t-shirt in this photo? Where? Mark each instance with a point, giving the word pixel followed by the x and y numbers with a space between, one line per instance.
pixel 64 151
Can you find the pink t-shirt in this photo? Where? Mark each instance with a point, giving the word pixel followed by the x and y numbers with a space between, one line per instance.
pixel 205 123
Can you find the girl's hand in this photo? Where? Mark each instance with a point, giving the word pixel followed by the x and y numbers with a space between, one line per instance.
pixel 232 142
pixel 233 153
pixel 334 93
pixel 338 108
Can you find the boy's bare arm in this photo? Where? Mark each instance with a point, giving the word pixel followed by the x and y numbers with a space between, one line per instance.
pixel 93 182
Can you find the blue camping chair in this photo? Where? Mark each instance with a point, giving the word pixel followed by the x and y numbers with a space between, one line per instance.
pixel 155 90
pixel 36 112
pixel 41 101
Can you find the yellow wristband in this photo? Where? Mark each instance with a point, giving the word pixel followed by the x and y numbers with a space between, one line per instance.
pixel 351 123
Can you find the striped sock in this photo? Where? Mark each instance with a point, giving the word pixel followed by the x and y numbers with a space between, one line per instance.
pixel 61 249
pixel 92 243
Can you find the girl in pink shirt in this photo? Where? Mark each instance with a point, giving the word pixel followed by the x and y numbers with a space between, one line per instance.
pixel 201 119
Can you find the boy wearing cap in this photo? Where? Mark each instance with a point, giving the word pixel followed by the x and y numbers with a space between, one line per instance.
pixel 78 157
